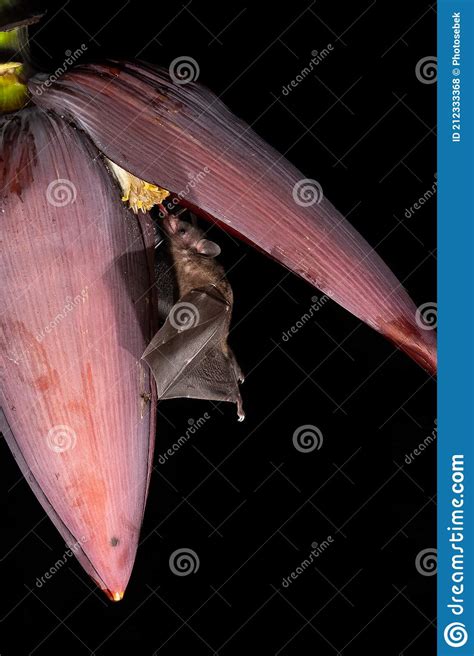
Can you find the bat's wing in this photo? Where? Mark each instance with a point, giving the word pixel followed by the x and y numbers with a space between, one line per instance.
pixel 216 378
pixel 189 356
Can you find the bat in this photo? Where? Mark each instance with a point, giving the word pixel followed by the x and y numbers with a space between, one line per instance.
pixel 189 355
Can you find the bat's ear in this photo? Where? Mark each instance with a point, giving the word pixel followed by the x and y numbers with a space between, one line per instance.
pixel 170 223
pixel 207 248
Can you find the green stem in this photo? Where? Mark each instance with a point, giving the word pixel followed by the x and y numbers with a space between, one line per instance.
pixel 13 56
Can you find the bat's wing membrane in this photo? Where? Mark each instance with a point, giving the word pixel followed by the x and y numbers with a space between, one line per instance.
pixel 215 378
pixel 186 356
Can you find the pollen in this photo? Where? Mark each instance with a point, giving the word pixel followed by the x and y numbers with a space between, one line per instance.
pixel 139 194
pixel 10 68
pixel 13 91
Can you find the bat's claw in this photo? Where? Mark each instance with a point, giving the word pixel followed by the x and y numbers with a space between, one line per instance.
pixel 240 410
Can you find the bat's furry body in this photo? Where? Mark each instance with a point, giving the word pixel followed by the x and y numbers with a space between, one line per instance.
pixel 189 355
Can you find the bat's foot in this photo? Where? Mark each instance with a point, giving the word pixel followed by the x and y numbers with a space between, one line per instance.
pixel 240 410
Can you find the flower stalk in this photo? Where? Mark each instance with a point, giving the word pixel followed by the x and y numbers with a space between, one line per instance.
pixel 13 57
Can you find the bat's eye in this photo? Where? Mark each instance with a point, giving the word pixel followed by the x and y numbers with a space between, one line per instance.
pixel 182 231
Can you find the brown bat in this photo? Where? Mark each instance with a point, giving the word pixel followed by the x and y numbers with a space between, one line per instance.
pixel 189 355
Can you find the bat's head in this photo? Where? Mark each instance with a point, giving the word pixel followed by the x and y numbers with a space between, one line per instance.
pixel 189 237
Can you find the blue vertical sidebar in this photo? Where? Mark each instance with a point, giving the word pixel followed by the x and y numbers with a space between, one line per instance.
pixel 456 328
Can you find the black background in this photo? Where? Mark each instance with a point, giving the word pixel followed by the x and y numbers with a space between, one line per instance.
pixel 240 495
